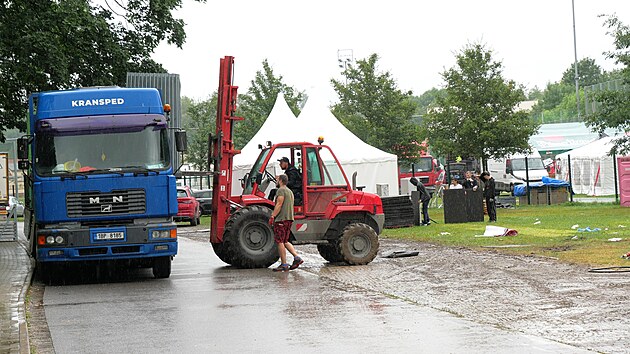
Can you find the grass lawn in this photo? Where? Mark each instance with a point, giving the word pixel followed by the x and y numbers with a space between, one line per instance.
pixel 542 230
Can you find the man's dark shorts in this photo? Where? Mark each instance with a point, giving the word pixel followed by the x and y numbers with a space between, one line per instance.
pixel 282 231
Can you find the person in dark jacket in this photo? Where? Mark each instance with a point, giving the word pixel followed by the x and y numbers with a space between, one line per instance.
pixel 295 179
pixel 470 182
pixel 425 198
pixel 489 193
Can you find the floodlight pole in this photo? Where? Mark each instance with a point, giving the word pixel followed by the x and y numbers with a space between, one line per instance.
pixel 577 89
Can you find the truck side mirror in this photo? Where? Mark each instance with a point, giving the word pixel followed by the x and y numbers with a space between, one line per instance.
pixel 259 179
pixel 22 148
pixel 181 142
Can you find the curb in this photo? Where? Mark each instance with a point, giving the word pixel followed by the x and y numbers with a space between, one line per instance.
pixel 25 345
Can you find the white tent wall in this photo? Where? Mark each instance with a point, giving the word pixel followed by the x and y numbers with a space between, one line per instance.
pixel 592 169
pixel 373 166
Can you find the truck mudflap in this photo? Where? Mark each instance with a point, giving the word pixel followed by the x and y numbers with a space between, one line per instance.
pixel 107 252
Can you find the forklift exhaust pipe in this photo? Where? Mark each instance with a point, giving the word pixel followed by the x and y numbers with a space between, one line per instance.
pixel 354 181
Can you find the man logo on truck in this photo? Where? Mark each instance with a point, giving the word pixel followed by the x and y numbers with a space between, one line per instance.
pixel 115 199
pixel 97 102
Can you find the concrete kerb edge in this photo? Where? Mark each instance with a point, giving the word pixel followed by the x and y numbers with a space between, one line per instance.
pixel 25 345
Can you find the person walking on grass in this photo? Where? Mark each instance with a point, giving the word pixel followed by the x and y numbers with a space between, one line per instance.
pixel 281 219
pixel 489 193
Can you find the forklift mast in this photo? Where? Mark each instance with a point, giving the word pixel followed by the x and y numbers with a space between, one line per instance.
pixel 222 149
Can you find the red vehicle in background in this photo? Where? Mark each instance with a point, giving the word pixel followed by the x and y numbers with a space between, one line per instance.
pixel 427 170
pixel 188 208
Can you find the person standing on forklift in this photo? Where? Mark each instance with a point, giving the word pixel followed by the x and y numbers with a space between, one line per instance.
pixel 295 179
pixel 281 220
pixel 489 193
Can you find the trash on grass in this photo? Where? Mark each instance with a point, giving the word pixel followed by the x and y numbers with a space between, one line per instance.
pixel 575 226
pixel 445 233
pixel 615 239
pixel 588 229
pixel 626 256
pixel 399 253
pixel 537 222
pixel 495 231
pixel 621 226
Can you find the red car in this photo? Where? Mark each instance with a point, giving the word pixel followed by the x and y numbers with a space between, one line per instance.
pixel 188 206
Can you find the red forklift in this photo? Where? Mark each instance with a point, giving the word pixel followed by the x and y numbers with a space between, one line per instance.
pixel 342 221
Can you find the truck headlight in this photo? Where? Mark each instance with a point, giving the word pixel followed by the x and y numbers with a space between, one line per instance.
pixel 50 240
pixel 157 234
pixel 59 239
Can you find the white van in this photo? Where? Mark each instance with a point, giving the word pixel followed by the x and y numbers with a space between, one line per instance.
pixel 511 170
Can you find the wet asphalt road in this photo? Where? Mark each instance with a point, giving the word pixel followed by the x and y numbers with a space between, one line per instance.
pixel 206 306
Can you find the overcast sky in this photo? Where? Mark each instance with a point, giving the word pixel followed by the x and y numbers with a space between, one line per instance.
pixel 416 40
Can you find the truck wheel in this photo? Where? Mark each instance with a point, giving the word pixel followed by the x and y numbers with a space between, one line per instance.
pixel 249 238
pixel 358 244
pixel 330 252
pixel 162 267
pixel 222 252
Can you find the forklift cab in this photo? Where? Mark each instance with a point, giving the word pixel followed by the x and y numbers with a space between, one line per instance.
pixel 323 179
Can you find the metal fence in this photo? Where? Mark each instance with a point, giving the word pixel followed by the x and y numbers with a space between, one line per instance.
pixel 590 103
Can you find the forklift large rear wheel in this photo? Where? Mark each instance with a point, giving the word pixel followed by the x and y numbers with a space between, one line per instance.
pixel 162 267
pixel 249 238
pixel 358 244
pixel 330 252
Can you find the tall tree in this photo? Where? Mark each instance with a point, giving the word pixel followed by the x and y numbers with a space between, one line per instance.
pixel 49 45
pixel 589 73
pixel 200 122
pixel 258 102
pixel 376 110
pixel 477 116
pixel 614 106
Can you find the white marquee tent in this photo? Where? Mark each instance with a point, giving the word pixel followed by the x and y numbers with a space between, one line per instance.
pixel 592 169
pixel 373 166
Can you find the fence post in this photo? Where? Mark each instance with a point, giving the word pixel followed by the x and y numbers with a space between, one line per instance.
pixel 570 178
pixel 614 158
pixel 529 201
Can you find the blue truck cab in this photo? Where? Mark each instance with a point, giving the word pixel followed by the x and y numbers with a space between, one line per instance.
pixel 100 182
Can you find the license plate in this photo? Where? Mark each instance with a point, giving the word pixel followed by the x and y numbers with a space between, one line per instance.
pixel 119 235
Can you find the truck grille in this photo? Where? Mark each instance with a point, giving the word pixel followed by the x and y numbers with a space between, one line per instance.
pixel 95 203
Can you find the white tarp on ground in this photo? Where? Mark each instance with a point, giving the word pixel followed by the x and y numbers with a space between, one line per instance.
pixel 592 169
pixel 373 166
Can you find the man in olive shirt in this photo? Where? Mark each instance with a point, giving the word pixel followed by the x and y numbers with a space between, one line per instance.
pixel 281 220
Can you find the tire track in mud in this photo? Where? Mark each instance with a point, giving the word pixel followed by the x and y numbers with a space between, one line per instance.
pixel 528 294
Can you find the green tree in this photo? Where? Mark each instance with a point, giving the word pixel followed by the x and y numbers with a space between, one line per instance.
pixel 424 102
pixel 258 102
pixel 49 45
pixel 614 106
pixel 200 122
pixel 589 73
pixel 477 115
pixel 375 110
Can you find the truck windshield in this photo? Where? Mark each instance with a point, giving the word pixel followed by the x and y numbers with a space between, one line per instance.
pixel 533 163
pixel 251 177
pixel 102 152
pixel 424 164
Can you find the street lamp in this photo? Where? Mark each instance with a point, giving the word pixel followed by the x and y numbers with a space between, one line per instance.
pixel 345 57
pixel 577 90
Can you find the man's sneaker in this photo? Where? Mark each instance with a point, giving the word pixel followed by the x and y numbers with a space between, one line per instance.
pixel 282 268
pixel 296 263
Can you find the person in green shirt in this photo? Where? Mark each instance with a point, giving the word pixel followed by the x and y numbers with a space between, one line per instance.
pixel 281 220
